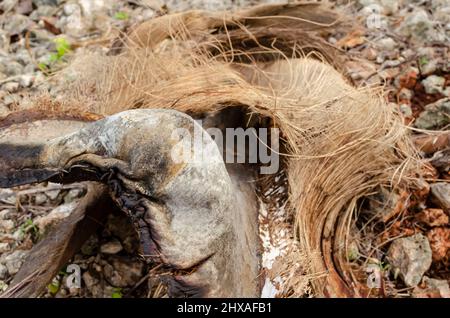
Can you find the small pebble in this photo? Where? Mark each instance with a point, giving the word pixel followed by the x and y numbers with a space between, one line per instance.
pixel 11 87
pixel 112 247
pixel 433 84
pixel 7 225
pixel 4 247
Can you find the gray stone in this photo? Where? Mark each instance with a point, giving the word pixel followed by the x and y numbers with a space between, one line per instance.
pixel 11 99
pixel 94 285
pixel 13 68
pixel 7 225
pixel 405 94
pixel 3 286
pixel 39 3
pixel 408 53
pixel 10 87
pixel 8 5
pixel 437 35
pixel 29 69
pixel 6 237
pixel 434 288
pixel 42 11
pixel 390 6
pixel 89 280
pixel 90 246
pixel 23 57
pixel 56 215
pixel 6 214
pixel 435 115
pixel 438 284
pixel 4 40
pixel 3 272
pixel 41 35
pixel 410 257
pixel 16 24
pixel 443 15
pixel 438 4
pixel 90 7
pixel 366 3
pixel 8 196
pixel 384 202
pixel 74 291
pixel 380 59
pixel 440 193
pixel 147 14
pixel 40 199
pixel 73 194
pixel 26 80
pixel 15 260
pixel 446 91
pixel 53 194
pixel 416 24
pixel 3 110
pixel 123 272
pixel 112 247
pixel 70 8
pixel 433 84
pixel 387 44
pixel 425 51
pixel 406 110
pixel 429 67
pixel 121 227
pixel 4 247
pixel 73 25
pixel 39 78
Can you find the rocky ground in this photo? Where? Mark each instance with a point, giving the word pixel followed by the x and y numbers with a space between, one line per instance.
pixel 406 234
pixel 404 45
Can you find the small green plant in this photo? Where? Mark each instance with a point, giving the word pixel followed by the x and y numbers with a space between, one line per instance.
pixel 3 286
pixel 29 227
pixel 43 66
pixel 384 267
pixel 352 252
pixel 423 60
pixel 121 16
pixel 62 272
pixel 117 293
pixel 62 47
pixel 352 255
pixel 54 286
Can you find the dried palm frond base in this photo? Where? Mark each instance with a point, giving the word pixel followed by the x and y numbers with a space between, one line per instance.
pixel 266 66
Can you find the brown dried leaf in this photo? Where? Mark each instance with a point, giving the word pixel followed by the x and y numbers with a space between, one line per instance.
pixel 400 203
pixel 420 193
pixel 351 40
pixel 428 172
pixel 431 143
pixel 439 238
pixel 399 228
pixel 408 79
pixel 50 26
pixel 433 217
